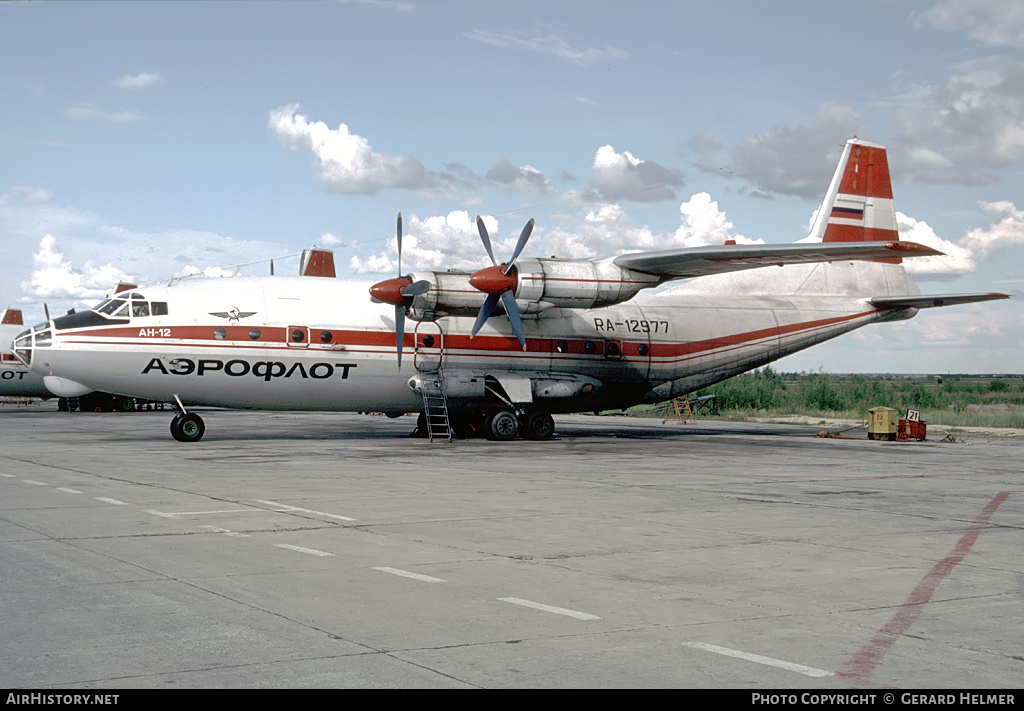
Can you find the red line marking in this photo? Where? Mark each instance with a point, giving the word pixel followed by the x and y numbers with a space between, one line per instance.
pixel 870 656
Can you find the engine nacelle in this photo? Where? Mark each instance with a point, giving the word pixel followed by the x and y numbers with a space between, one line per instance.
pixel 577 283
pixel 540 284
pixel 450 294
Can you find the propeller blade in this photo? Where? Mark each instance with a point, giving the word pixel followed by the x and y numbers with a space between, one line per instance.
pixel 485 313
pixel 523 238
pixel 485 239
pixel 398 231
pixel 508 300
pixel 399 332
pixel 417 288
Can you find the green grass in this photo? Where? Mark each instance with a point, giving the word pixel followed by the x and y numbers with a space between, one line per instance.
pixel 952 400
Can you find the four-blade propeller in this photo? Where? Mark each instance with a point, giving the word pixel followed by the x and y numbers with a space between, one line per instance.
pixel 399 292
pixel 497 281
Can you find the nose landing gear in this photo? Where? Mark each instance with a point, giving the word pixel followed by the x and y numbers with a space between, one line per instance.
pixel 187 426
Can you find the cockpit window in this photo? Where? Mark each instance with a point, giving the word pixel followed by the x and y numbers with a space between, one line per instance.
pixel 110 306
pixel 137 307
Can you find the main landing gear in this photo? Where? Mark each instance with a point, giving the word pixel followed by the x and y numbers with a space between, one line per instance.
pixel 187 427
pixel 502 425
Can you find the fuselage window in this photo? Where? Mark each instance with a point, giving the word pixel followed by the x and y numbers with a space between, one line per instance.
pixel 254 334
pixel 326 336
pixel 220 334
pixel 159 308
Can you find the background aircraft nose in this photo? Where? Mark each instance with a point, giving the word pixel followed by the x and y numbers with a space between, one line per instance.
pixel 22 347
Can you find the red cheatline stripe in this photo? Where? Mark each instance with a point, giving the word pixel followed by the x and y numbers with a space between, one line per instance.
pixel 481 346
pixel 870 656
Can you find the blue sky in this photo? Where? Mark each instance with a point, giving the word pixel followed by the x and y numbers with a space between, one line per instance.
pixel 144 140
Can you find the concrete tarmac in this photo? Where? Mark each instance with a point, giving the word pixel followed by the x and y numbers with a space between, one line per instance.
pixel 333 550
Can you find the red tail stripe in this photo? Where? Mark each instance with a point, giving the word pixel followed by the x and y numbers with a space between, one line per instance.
pixel 867 173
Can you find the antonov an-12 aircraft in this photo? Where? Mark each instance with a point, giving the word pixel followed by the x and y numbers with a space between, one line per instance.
pixel 568 338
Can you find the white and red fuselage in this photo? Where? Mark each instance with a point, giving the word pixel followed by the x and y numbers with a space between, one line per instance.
pixel 590 339
pixel 318 344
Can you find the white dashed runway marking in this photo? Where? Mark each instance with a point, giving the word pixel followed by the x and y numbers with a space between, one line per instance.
pixel 300 549
pixel 790 666
pixel 549 608
pixel 414 576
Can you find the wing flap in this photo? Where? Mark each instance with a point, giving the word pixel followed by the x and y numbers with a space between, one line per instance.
pixel 927 301
pixel 702 261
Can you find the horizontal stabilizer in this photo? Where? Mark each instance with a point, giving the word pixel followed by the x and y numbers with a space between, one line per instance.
pixel 927 301
pixel 686 263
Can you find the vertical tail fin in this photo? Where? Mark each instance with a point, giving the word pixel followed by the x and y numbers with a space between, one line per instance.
pixel 858 206
pixel 12 317
pixel 317 262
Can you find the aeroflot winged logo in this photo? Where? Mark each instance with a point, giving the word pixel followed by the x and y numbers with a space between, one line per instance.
pixel 233 315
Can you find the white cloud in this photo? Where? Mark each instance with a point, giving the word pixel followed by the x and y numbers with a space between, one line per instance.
pixel 793 160
pixel 435 244
pixel 55 277
pixel 345 161
pixel 24 208
pixel 95 113
pixel 549 44
pixel 704 224
pixel 331 240
pixel 1008 232
pixel 26 195
pixel 138 81
pixel 525 180
pixel 601 231
pixel 956 259
pixel 622 176
pixel 961 130
pixel 452 241
pixel 993 22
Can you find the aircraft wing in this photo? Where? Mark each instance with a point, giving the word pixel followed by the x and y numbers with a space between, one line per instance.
pixel 925 301
pixel 685 263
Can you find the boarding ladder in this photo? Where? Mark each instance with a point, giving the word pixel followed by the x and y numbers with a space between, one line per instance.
pixel 435 405
pixel 680 412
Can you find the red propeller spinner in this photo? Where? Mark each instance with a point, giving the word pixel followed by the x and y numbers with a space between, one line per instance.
pixel 390 291
pixel 493 280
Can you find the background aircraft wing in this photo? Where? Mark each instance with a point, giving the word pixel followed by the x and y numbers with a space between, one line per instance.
pixel 685 263
pixel 925 301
